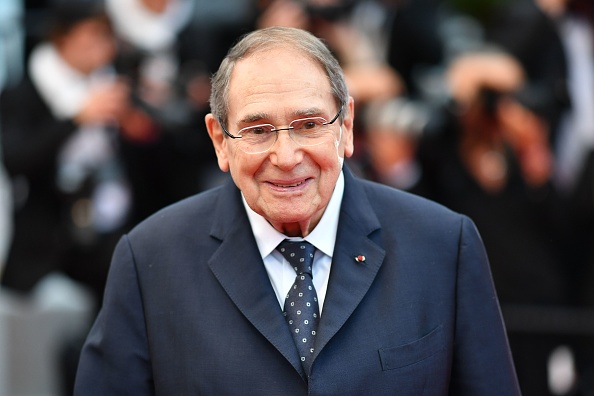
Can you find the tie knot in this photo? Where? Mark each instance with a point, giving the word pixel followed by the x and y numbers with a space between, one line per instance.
pixel 298 254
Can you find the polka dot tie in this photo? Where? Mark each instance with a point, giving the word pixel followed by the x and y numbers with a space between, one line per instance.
pixel 301 305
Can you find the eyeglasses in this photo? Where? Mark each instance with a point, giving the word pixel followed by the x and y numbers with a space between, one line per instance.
pixel 304 131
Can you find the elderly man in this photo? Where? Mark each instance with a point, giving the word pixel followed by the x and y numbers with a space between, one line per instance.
pixel 295 277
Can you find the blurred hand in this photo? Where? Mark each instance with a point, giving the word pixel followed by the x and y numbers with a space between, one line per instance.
pixel 527 134
pixel 470 73
pixel 138 127
pixel 105 104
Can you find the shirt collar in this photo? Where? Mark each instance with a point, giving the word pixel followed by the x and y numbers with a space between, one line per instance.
pixel 323 236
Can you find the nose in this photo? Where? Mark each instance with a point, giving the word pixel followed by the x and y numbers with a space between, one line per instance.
pixel 285 152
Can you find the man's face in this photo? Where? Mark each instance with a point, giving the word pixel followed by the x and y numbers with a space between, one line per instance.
pixel 289 185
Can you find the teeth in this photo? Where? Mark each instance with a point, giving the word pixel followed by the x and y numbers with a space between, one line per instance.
pixel 288 185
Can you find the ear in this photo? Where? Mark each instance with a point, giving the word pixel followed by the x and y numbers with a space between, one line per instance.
pixel 349 116
pixel 219 141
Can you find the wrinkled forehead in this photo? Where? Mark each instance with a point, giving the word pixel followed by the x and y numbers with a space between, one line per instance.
pixel 278 75
pixel 273 65
pixel 277 60
pixel 280 54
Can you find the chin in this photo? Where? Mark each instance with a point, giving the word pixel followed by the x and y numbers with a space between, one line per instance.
pixel 287 218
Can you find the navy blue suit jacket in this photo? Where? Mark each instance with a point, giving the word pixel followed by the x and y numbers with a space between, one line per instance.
pixel 189 308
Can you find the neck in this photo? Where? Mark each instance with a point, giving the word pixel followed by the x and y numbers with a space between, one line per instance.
pixel 299 229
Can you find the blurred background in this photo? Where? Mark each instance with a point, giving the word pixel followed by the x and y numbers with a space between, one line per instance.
pixel 484 106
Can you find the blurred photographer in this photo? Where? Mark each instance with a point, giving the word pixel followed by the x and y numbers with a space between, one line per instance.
pixel 490 157
pixel 60 131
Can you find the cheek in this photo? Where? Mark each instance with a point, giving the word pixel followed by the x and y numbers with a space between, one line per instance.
pixel 243 167
pixel 329 165
pixel 329 158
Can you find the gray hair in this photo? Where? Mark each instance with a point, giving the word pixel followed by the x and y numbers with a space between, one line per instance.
pixel 275 37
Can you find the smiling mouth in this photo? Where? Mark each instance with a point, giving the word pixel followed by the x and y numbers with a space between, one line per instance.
pixel 289 185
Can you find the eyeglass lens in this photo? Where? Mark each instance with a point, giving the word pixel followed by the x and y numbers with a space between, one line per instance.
pixel 305 132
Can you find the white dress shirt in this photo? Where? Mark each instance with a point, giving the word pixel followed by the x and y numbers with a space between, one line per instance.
pixel 323 237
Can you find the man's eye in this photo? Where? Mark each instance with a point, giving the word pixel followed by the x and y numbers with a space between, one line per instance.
pixel 258 130
pixel 309 124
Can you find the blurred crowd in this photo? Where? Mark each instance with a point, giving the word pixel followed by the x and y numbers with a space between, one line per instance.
pixel 484 106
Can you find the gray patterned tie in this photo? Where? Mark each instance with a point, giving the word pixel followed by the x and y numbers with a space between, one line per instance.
pixel 301 305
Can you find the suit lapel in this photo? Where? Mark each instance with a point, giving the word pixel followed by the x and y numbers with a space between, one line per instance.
pixel 238 267
pixel 350 280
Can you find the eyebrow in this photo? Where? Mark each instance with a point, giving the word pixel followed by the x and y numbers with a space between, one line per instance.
pixel 255 117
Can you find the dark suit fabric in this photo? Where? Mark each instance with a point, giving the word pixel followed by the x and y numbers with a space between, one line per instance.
pixel 189 308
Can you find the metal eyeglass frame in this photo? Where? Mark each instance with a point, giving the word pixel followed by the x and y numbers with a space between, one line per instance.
pixel 281 129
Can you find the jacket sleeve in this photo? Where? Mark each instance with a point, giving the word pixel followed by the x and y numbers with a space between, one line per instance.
pixel 482 359
pixel 31 136
pixel 115 358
